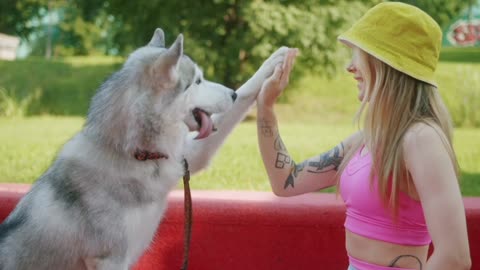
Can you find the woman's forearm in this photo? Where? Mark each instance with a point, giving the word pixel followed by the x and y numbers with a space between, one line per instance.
pixel 276 159
pixel 440 262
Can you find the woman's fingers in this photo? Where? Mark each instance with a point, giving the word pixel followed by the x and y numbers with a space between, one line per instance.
pixel 271 83
pixel 288 65
pixel 277 73
pixel 277 82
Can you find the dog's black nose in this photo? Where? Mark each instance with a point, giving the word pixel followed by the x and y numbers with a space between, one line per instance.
pixel 234 96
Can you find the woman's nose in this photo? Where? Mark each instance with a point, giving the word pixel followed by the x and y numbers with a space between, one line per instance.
pixel 351 68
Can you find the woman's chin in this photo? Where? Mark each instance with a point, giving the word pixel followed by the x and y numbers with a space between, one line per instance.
pixel 361 95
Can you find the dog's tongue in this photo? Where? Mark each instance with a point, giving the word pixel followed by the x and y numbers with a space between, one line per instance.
pixel 206 126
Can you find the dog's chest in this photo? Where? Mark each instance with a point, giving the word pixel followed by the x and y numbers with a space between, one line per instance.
pixel 141 222
pixel 162 176
pixel 140 226
pixel 157 177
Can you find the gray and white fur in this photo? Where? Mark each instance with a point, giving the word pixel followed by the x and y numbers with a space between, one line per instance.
pixel 97 207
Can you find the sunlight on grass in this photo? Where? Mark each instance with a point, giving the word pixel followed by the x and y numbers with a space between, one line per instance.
pixel 30 144
pixel 65 87
pixel 238 164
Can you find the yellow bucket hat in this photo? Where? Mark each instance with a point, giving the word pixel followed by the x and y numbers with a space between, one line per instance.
pixel 402 36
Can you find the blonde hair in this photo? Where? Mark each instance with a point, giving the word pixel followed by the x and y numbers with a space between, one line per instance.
pixel 392 103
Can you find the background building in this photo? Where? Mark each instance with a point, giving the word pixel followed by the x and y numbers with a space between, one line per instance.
pixel 8 47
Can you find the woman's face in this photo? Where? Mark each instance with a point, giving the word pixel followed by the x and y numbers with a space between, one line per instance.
pixel 357 67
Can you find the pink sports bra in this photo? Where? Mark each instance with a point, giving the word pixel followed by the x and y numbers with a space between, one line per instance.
pixel 366 215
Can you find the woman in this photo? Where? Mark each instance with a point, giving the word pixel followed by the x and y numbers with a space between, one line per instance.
pixel 398 173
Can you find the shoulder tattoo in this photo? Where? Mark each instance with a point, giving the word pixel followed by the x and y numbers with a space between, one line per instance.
pixel 328 161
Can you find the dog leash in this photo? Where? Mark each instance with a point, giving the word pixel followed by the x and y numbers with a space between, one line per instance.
pixel 143 155
pixel 188 216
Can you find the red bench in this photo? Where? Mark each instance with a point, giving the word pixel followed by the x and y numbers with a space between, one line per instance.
pixel 254 230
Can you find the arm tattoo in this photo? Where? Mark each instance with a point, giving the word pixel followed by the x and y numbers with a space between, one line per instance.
pixel 331 158
pixel 282 160
pixel 293 174
pixel 278 144
pixel 328 161
pixel 282 157
pixel 266 128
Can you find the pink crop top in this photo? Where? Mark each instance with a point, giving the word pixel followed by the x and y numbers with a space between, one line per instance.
pixel 366 215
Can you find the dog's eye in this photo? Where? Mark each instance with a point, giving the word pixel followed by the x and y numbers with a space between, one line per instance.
pixel 198 81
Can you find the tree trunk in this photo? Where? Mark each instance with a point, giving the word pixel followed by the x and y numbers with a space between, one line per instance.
pixel 48 50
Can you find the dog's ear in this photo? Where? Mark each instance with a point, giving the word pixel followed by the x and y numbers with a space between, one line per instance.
pixel 158 39
pixel 176 50
pixel 167 63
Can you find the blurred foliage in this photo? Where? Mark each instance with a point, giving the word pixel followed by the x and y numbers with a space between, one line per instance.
pixel 228 38
pixel 16 16
pixel 65 87
pixel 465 55
pixel 461 92
pixel 443 11
pixel 11 106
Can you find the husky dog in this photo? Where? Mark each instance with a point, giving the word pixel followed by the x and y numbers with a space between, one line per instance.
pixel 100 203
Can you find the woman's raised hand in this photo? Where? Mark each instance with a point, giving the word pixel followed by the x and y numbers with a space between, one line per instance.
pixel 276 83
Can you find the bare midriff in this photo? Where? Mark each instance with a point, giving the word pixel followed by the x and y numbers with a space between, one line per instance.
pixel 383 253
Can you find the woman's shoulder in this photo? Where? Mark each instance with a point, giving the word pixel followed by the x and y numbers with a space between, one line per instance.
pixel 422 137
pixel 353 141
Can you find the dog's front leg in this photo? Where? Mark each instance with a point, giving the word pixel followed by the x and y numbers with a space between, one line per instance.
pixel 107 263
pixel 90 263
pixel 200 152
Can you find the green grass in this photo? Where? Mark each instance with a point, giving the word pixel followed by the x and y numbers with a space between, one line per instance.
pixel 335 99
pixel 459 86
pixel 30 145
pixel 319 114
pixel 66 87
pixel 464 55
pixel 59 87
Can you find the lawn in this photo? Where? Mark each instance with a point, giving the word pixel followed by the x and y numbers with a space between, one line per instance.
pixel 66 87
pixel 315 115
pixel 30 144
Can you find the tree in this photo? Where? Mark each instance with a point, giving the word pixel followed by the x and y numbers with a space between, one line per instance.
pixel 73 32
pixel 15 15
pixel 442 11
pixel 230 38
